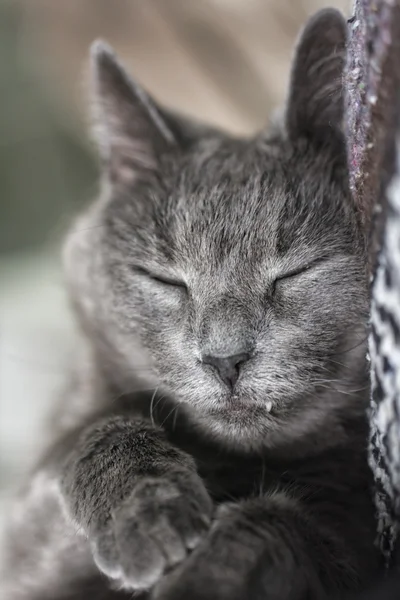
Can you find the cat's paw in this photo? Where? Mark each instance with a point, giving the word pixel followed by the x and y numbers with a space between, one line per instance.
pixel 222 566
pixel 153 529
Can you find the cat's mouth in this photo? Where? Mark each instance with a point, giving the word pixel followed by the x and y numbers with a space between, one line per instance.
pixel 242 424
pixel 239 410
pixel 236 403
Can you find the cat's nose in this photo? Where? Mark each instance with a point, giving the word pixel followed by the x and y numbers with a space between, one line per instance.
pixel 227 367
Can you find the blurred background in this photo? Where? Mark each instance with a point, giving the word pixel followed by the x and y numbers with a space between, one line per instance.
pixel 226 61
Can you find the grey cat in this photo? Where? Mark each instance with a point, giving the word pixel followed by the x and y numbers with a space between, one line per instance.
pixel 213 442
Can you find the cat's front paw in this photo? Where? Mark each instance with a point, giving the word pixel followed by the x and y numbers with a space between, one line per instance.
pixel 153 529
pixel 223 565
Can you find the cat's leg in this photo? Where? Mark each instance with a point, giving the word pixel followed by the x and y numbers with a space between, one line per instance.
pixel 115 501
pixel 138 500
pixel 274 548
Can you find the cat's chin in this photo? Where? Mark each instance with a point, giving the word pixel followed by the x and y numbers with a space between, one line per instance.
pixel 237 424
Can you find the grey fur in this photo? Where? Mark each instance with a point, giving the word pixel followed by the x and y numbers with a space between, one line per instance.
pixel 203 245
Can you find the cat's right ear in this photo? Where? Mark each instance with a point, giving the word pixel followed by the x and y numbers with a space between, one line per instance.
pixel 131 131
pixel 315 104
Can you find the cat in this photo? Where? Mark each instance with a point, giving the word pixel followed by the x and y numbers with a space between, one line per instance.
pixel 212 444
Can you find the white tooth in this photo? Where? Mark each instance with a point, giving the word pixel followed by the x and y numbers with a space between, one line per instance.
pixel 268 406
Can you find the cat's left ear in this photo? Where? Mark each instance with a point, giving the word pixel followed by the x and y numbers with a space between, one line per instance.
pixel 315 103
pixel 131 131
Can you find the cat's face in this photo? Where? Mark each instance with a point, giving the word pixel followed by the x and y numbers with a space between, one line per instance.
pixel 227 273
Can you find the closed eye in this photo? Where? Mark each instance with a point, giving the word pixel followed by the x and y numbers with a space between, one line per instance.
pixel 161 278
pixel 296 272
pixel 293 273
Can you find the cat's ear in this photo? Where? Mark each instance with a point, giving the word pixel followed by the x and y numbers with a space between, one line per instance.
pixel 130 129
pixel 315 103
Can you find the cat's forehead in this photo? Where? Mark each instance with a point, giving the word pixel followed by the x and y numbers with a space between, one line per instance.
pixel 229 180
pixel 233 201
pixel 225 211
pixel 240 199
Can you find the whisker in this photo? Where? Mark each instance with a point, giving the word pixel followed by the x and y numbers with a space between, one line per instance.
pixel 336 362
pixel 158 402
pixel 261 492
pixel 169 414
pixel 350 349
pixel 117 397
pixel 151 406
pixel 344 392
pixel 175 417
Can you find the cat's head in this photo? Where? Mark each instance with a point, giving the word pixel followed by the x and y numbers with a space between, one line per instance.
pixel 227 273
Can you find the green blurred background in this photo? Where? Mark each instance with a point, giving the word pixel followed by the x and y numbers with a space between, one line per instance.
pixel 226 61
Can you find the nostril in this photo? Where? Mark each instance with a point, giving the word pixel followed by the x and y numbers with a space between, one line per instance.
pixel 227 367
pixel 238 359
